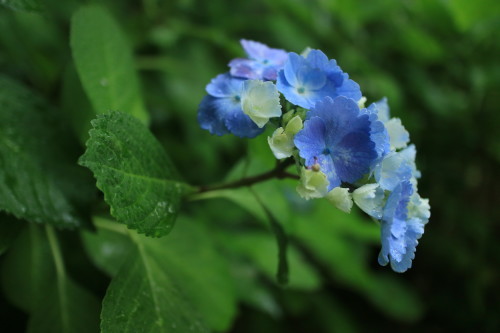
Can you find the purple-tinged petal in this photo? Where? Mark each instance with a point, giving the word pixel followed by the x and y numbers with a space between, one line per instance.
pixel 245 68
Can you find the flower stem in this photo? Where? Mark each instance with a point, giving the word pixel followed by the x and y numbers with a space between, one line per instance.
pixel 278 172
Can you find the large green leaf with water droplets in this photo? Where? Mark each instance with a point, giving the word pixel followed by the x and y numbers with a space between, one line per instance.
pixel 104 62
pixel 186 260
pixel 135 174
pixel 144 296
pixel 39 178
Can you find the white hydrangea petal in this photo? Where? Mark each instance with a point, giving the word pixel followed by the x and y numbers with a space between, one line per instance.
pixel 383 111
pixel 340 198
pixel 419 208
pixel 281 143
pixel 370 198
pixel 399 136
pixel 260 101
pixel 313 184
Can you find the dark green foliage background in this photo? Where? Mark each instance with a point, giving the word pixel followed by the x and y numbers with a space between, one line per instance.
pixel 436 61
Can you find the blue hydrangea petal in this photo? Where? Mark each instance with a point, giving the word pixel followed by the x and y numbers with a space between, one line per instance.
pixel 307 99
pixel 380 136
pixel 311 79
pixel 293 65
pixel 353 156
pixel 241 125
pixel 337 134
pixel 311 140
pixel 302 84
pixel 209 117
pixel 223 85
pixel 350 89
pixel 393 225
pixel 317 59
pixel 415 230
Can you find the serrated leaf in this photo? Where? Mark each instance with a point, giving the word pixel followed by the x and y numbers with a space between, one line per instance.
pixel 186 258
pixel 39 179
pixel 34 279
pixel 135 174
pixel 23 5
pixel 104 63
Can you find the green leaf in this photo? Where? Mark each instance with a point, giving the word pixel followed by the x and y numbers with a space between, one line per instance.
pixel 39 179
pixel 23 5
pixel 186 262
pixel 105 64
pixel 9 229
pixel 135 174
pixel 35 280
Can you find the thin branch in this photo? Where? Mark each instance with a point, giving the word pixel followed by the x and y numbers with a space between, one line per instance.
pixel 278 172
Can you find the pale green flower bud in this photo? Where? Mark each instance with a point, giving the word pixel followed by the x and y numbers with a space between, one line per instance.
pixel 281 142
pixel 306 52
pixel 361 102
pixel 340 198
pixel 313 184
pixel 260 101
pixel 294 126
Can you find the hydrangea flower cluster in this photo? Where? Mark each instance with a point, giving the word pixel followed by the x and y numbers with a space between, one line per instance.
pixel 345 152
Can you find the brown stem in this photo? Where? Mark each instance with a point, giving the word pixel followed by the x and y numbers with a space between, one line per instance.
pixel 278 172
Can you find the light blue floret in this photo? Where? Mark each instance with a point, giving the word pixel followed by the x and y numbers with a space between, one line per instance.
pixel 337 137
pixel 400 232
pixel 396 167
pixel 263 62
pixel 305 81
pixel 220 111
